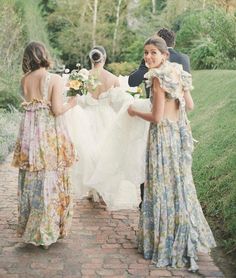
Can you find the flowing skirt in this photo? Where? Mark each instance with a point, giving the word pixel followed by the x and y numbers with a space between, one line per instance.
pixel 172 226
pixel 45 206
pixel 111 147
pixel 43 153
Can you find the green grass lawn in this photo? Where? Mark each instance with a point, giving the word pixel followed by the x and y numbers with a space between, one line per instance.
pixel 214 162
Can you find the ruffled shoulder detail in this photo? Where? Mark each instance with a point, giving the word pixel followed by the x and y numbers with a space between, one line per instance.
pixel 186 78
pixel 171 76
pixel 166 76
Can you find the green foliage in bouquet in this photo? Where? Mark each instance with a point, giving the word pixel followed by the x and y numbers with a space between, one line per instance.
pixel 80 82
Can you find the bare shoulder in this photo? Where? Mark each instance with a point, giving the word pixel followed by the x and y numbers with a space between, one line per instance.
pixel 56 80
pixel 113 78
pixel 108 73
pixel 25 76
pixel 55 77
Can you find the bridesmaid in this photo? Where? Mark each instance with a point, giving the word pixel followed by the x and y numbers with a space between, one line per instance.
pixel 172 227
pixel 43 153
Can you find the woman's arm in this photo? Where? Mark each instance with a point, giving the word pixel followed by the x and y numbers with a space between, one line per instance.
pixel 189 104
pixel 58 107
pixel 137 76
pixel 158 105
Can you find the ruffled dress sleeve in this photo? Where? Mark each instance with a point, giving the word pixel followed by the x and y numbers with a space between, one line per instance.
pixel 173 79
pixel 186 79
pixel 166 77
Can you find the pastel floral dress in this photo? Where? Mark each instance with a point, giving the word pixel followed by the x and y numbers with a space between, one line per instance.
pixel 172 227
pixel 43 154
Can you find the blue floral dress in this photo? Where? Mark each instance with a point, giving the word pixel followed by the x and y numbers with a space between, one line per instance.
pixel 43 153
pixel 172 227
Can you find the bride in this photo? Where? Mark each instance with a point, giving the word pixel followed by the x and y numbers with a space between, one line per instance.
pixel 110 144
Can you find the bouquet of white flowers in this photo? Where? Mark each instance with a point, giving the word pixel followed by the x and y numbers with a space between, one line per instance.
pixel 80 81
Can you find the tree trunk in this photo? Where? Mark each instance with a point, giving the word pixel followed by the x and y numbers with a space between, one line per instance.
pixel 153 6
pixel 94 22
pixel 116 27
pixel 203 4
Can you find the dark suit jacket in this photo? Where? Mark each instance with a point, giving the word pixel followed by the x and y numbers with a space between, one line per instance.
pixel 137 76
pixel 179 58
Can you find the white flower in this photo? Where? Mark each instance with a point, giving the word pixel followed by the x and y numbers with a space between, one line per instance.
pixel 67 70
pixel 84 73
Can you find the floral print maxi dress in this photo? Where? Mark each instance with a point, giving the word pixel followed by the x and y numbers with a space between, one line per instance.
pixel 172 227
pixel 43 153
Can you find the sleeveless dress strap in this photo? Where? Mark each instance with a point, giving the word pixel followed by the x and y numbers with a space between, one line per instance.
pixel 46 86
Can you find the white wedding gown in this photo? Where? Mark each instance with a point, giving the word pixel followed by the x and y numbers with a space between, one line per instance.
pixel 111 147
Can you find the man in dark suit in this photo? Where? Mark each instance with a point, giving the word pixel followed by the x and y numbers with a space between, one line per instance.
pixel 137 76
pixel 175 56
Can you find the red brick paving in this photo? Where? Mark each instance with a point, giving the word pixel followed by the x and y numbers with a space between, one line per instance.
pixel 101 244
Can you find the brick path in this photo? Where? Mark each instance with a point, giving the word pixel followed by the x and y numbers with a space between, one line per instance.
pixel 101 244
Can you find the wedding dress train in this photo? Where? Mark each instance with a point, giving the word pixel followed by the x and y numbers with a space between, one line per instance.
pixel 111 147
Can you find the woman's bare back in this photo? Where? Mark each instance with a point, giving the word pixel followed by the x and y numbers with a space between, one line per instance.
pixel 33 84
pixel 107 81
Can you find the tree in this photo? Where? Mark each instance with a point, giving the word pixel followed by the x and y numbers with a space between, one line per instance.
pixel 207 49
pixel 20 22
pixel 76 26
pixel 94 21
pixel 116 27
pixel 153 6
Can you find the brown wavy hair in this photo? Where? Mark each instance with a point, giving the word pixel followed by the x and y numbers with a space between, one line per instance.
pixel 35 56
pixel 168 36
pixel 158 42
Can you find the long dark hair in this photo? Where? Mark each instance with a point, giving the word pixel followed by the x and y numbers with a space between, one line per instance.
pixel 35 56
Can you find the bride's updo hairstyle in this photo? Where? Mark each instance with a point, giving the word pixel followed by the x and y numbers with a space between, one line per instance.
pixel 97 54
pixel 35 56
pixel 159 43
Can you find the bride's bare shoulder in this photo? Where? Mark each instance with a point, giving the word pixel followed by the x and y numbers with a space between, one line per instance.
pixel 113 78
pixel 108 73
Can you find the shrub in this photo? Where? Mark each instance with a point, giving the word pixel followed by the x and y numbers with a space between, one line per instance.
pixel 209 37
pixel 9 124
pixel 20 22
pixel 134 51
pixel 12 40
pixel 124 68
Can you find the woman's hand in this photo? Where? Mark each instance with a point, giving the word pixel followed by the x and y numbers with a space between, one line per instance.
pixel 131 111
pixel 189 104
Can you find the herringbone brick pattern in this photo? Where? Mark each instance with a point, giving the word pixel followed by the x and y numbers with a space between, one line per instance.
pixel 101 244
